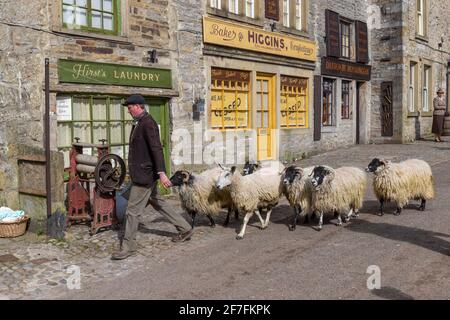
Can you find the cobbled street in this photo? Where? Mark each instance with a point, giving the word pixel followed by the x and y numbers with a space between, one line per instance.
pixel 412 251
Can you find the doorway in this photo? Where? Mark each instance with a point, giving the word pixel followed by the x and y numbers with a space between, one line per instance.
pixel 265 115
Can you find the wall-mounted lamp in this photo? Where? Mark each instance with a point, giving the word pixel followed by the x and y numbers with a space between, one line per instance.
pixel 441 44
pixel 198 107
pixel 152 58
pixel 273 25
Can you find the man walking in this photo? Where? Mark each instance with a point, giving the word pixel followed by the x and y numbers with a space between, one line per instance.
pixel 146 166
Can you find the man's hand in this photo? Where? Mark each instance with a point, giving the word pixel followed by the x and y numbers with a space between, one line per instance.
pixel 164 180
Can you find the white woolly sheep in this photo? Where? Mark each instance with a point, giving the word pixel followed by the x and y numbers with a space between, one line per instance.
pixel 251 193
pixel 198 194
pixel 400 182
pixel 297 188
pixel 339 190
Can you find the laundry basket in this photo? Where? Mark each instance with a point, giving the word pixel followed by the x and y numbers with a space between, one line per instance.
pixel 14 229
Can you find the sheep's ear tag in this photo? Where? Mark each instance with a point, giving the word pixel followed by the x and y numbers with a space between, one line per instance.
pixel 233 169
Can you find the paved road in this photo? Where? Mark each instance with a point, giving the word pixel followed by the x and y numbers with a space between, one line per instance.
pixel 411 250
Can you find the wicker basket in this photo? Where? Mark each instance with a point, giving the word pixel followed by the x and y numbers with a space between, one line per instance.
pixel 13 229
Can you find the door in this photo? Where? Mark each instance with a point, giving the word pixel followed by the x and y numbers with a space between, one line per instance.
pixel 358 112
pixel 159 110
pixel 265 115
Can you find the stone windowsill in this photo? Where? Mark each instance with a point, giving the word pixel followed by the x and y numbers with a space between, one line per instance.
pixel 422 38
pixel 427 114
pixel 92 35
pixel 293 32
pixel 238 18
pixel 413 114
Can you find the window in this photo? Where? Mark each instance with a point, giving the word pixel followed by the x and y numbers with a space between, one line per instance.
pixel 92 118
pixel 345 111
pixel 216 4
pixel 421 17
pixel 298 14
pixel 426 89
pixel 286 16
pixel 230 99
pixel 328 102
pixel 412 87
pixel 294 102
pixel 250 8
pixel 345 40
pixel 92 15
pixel 233 6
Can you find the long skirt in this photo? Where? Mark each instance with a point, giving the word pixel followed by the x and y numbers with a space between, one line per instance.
pixel 438 125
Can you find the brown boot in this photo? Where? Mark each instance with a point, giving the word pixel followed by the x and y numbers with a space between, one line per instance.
pixel 122 254
pixel 181 237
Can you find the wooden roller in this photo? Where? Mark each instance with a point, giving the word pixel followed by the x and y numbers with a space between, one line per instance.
pixel 86 159
pixel 84 168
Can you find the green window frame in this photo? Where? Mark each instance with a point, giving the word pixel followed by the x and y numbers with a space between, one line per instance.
pixel 100 16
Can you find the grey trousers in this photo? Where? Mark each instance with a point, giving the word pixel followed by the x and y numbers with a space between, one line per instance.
pixel 138 203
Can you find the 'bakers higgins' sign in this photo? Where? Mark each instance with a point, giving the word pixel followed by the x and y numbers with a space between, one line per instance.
pixel 74 71
pixel 241 37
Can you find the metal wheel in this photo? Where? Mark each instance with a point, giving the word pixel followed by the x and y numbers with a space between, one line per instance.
pixel 110 173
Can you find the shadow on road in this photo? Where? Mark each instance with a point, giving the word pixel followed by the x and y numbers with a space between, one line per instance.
pixel 422 238
pixel 373 207
pixel 390 293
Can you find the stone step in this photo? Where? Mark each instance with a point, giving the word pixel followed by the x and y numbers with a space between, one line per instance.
pixel 447 126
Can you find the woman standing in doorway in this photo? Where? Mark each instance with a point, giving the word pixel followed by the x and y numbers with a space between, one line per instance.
pixel 439 105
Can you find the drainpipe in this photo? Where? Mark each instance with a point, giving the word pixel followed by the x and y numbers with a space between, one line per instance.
pixel 47 141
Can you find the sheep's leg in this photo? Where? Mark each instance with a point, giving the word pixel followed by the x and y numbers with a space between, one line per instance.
pixel 247 217
pixel 381 207
pixel 211 221
pixel 296 214
pixel 227 220
pixel 260 219
pixel 339 223
pixel 348 216
pixel 398 211
pixel 269 212
pixel 236 214
pixel 319 227
pixel 193 215
pixel 422 205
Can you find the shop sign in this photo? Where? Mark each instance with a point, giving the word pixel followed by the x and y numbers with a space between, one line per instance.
pixel 345 69
pixel 242 37
pixel 73 71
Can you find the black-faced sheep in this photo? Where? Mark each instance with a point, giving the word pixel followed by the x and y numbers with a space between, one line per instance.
pixel 252 193
pixel 339 190
pixel 297 188
pixel 401 182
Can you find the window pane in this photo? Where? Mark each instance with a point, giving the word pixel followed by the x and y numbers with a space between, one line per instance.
pixel 100 132
pixel 115 110
pixel 108 21
pixel 107 5
pixel 96 4
pixel 96 19
pixel 116 132
pixel 64 137
pixel 81 109
pixel 117 150
pixel 127 130
pixel 68 14
pixel 99 109
pixel 81 17
pixel 82 131
pixel 81 3
pixel 266 101
pixel 68 1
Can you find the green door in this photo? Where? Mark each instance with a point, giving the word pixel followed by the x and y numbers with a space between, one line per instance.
pixel 159 110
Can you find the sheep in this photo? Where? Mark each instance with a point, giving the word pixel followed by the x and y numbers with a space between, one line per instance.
pixel 297 188
pixel 401 182
pixel 198 194
pixel 252 193
pixel 339 190
pixel 250 168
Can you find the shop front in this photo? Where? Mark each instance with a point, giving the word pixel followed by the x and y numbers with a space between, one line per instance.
pixel 259 83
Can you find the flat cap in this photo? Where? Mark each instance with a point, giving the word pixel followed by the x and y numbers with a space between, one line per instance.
pixel 134 99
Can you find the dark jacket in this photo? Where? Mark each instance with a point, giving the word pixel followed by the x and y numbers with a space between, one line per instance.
pixel 145 156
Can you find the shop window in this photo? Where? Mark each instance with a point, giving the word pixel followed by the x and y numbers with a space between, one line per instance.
pixel 91 15
pixel 216 4
pixel 345 111
pixel 294 102
pixel 230 99
pixel 345 40
pixel 328 102
pixel 426 97
pixel 92 118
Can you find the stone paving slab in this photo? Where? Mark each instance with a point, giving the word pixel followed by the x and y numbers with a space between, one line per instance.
pixel 33 267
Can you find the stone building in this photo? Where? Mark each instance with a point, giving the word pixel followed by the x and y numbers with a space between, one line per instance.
pixel 411 52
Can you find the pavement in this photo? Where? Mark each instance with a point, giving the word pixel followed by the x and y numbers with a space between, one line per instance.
pixel 409 252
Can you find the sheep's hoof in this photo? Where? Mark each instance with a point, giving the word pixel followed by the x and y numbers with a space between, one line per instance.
pixel 239 237
pixel 397 213
pixel 381 214
pixel 292 227
pixel 262 227
pixel 212 225
pixel 339 224
pixel 318 228
pixel 421 208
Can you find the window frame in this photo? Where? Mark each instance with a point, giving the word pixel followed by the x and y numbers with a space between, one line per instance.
pixel 236 7
pixel 286 13
pixel 116 14
pixel 252 5
pixel 421 18
pixel 216 4
pixel 284 92
pixel 412 88
pixel 348 25
pixel 346 96
pixel 427 85
pixel 329 97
